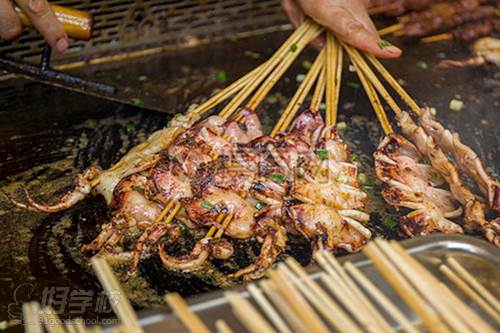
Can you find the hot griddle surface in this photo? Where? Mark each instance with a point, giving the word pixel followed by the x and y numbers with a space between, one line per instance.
pixel 47 135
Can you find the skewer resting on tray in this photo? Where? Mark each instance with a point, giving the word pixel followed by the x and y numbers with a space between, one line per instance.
pixel 338 297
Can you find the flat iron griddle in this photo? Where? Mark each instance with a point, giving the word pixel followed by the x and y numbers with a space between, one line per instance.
pixel 48 135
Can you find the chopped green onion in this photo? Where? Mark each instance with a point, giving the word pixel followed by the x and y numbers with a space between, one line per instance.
pixel 280 178
pixel 221 76
pixel 293 48
pixel 341 125
pixel 259 205
pixel 401 82
pixel 422 65
pixel 456 105
pixel 322 154
pixel 383 44
pixel 130 127
pixel 389 222
pixel 353 85
pixel 206 205
pixel 137 101
pixel 138 189
pixel 307 64
pixel 177 115
pixel 353 157
pixel 363 179
pixel 252 54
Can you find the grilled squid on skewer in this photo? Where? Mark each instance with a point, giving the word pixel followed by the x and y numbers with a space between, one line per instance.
pixel 412 184
pixel 466 158
pixel 474 210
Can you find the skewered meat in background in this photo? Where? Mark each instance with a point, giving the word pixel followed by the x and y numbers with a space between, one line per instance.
pixel 443 16
pixel 486 50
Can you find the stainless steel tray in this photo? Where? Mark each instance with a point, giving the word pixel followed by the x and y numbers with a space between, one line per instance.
pixel 478 256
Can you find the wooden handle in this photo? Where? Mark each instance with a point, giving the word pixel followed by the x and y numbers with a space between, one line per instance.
pixel 77 24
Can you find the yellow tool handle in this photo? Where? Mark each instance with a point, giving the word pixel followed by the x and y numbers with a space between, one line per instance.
pixel 77 24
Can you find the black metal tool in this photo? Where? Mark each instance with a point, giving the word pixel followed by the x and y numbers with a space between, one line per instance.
pixel 78 25
pixel 43 73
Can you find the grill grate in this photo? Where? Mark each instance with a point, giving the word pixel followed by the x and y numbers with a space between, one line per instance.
pixel 127 25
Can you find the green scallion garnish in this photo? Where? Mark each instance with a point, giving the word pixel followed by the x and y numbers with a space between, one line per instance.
pixel 221 76
pixel 389 222
pixel 422 65
pixel 307 64
pixel 206 205
pixel 383 44
pixel 293 48
pixel 137 101
pixel 322 154
pixel 259 205
pixel 278 177
pixel 138 189
pixel 353 85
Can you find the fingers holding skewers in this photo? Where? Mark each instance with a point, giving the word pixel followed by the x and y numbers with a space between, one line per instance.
pixel 349 20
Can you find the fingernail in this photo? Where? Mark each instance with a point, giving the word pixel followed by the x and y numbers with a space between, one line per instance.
pixel 62 45
pixel 393 49
pixel 36 5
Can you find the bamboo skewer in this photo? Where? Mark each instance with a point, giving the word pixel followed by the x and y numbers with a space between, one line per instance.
pixel 331 66
pixel 424 284
pixel 361 63
pixel 259 96
pixel 299 305
pixel 222 327
pixel 188 318
pixel 338 82
pixel 319 91
pixel 288 59
pixel 380 298
pixel 359 297
pixel 470 292
pixel 462 313
pixel 268 67
pixel 345 295
pixel 394 84
pixel 375 10
pixel 474 321
pixel 404 289
pixel 437 38
pixel 462 272
pixel 374 100
pixel 114 291
pixel 247 314
pixel 300 95
pixel 280 303
pixel 390 29
pixel 51 320
pixel 320 306
pixel 338 318
pixel 228 91
pixel 31 317
pixel 271 313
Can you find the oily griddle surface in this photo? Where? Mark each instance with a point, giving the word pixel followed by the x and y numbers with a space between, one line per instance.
pixel 48 135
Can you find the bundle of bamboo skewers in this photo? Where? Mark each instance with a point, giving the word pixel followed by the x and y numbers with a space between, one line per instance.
pixel 339 298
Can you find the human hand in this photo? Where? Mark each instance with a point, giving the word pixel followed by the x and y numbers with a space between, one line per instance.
pixel 40 15
pixel 347 19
